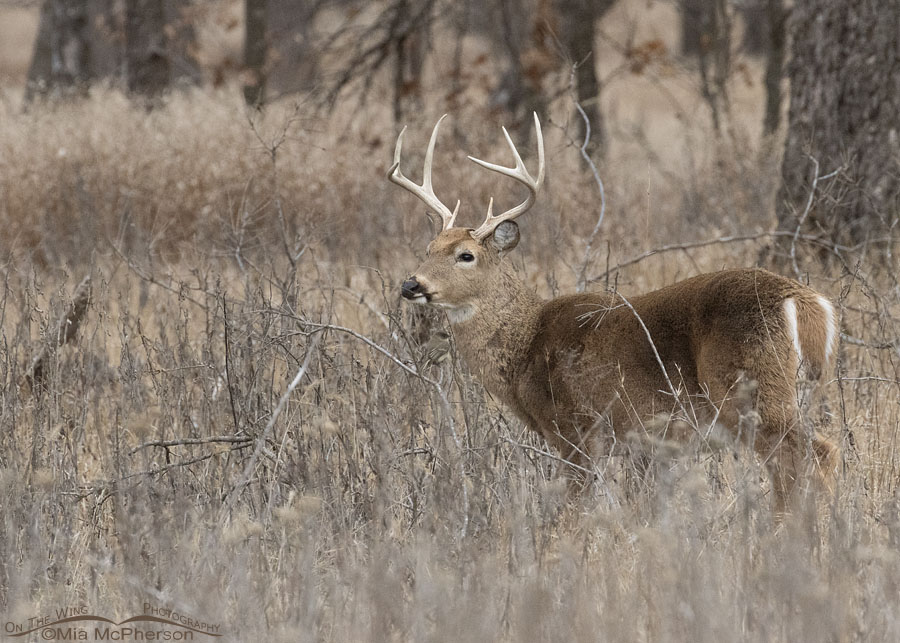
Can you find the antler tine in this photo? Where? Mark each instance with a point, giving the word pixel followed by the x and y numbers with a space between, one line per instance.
pixel 519 173
pixel 425 192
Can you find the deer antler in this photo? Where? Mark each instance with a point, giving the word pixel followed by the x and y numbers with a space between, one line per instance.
pixel 425 192
pixel 519 173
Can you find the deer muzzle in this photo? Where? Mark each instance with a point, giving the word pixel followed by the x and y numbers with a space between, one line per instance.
pixel 412 290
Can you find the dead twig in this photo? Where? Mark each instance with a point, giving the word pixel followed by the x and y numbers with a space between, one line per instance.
pixel 802 218
pixel 263 436
pixel 740 238
pixel 232 439
pixel 588 250
pixel 886 345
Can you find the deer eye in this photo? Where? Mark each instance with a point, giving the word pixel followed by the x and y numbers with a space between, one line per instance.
pixel 465 257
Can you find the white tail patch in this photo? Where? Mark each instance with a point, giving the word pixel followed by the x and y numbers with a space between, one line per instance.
pixel 831 334
pixel 790 314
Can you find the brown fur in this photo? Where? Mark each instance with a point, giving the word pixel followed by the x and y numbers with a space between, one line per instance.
pixel 581 371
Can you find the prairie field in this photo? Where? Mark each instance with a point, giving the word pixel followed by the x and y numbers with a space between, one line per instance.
pixel 243 429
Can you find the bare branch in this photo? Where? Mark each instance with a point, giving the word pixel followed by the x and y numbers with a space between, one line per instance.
pixel 582 283
pixel 213 439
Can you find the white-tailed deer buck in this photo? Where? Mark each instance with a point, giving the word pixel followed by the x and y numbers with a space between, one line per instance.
pixel 584 370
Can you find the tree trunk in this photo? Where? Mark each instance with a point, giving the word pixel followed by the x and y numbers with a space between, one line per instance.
pixel 146 57
pixel 255 46
pixel 845 113
pixel 412 27
pixel 106 29
pixel 182 43
pixel 714 57
pixel 61 58
pixel 775 16
pixel 39 71
pixel 579 18
pixel 757 38
pixel 696 22
pixel 517 91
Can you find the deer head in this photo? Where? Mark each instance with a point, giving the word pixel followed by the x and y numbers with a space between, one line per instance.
pixel 462 265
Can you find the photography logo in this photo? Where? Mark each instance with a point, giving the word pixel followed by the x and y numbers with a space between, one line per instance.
pixel 154 623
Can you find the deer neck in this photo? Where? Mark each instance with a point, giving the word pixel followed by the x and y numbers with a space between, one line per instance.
pixel 494 335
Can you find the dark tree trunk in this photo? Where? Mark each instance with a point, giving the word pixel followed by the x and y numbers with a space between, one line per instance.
pixel 293 34
pixel 182 43
pixel 529 41
pixel 513 92
pixel 579 19
pixel 146 57
pixel 714 56
pixel 106 28
pixel 39 73
pixel 696 22
pixel 844 113
pixel 412 28
pixel 754 14
pixel 461 30
pixel 61 58
pixel 775 17
pixel 255 46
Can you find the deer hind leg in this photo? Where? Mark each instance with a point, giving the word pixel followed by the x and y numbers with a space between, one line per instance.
pixel 826 460
pixel 798 458
pixel 759 407
pixel 797 461
pixel 767 384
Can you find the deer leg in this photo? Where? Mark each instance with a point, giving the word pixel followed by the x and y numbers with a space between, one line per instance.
pixel 774 433
pixel 828 459
pixel 778 442
pixel 794 458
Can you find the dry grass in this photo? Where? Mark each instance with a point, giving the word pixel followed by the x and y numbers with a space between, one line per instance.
pixel 378 505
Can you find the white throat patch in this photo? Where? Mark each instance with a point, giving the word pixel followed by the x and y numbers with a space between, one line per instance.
pixel 459 315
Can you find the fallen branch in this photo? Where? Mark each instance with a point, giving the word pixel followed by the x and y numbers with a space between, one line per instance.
pixel 230 439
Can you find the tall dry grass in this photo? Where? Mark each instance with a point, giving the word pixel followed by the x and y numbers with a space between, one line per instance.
pixel 163 461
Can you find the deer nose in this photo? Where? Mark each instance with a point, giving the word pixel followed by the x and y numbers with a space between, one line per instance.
pixel 411 288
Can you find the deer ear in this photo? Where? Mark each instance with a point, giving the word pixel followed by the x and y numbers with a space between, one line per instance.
pixel 505 236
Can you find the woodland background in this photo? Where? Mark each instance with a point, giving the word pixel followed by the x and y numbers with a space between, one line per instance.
pixel 213 399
